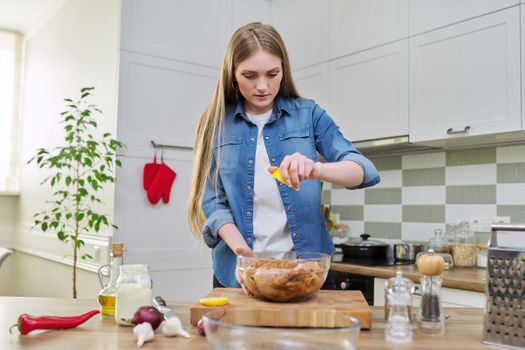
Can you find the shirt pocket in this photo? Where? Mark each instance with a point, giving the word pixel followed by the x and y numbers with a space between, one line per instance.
pixel 230 148
pixel 298 140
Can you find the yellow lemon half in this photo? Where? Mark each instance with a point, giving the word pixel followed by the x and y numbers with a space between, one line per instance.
pixel 214 301
pixel 277 174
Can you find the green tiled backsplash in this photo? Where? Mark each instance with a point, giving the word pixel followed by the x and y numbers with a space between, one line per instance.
pixel 421 192
pixel 424 177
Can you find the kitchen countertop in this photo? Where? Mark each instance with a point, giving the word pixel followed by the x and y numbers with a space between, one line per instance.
pixel 471 279
pixel 463 329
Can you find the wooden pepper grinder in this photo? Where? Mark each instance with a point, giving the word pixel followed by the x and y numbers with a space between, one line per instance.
pixel 431 320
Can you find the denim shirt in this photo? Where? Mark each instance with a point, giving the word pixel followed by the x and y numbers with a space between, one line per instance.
pixel 296 125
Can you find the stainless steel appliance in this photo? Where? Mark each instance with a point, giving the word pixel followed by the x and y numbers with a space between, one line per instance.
pixel 505 310
pixel 406 252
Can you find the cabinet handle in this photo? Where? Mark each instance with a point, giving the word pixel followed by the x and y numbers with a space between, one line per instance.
pixel 451 131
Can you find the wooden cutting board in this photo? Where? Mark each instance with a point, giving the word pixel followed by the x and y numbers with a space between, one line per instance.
pixel 315 311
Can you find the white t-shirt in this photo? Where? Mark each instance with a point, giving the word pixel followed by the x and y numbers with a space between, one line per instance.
pixel 270 225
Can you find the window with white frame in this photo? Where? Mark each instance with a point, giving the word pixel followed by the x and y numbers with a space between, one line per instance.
pixel 10 68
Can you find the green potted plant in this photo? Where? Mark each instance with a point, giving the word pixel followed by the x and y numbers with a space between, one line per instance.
pixel 79 170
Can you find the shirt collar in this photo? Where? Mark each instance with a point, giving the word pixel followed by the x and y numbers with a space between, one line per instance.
pixel 280 104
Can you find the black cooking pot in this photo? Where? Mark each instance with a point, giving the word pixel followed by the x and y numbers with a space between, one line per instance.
pixel 365 248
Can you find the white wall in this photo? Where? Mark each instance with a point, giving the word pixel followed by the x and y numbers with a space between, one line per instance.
pixel 77 47
pixel 8 217
pixel 36 276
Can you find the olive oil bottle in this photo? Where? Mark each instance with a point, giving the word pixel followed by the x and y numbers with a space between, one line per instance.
pixel 106 297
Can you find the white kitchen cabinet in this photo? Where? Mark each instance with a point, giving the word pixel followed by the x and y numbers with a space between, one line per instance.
pixel 170 56
pixel 186 30
pixel 159 235
pixel 522 9
pixel 312 83
pixel 450 297
pixel 369 92
pixel 426 15
pixel 161 99
pixel 361 24
pixel 465 78
pixel 153 101
pixel 304 27
pixel 247 11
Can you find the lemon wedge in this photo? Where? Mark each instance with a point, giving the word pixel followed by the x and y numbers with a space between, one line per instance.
pixel 277 174
pixel 214 301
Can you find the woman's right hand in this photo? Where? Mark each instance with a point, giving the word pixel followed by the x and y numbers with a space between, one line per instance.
pixel 238 274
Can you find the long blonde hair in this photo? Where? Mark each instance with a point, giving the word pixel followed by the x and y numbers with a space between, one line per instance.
pixel 245 41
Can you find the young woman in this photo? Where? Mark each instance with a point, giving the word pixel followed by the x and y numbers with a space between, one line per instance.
pixel 255 124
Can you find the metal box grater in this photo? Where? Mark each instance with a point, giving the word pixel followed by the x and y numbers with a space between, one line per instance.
pixel 504 321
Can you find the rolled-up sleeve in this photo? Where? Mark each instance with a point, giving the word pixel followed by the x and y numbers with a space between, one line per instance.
pixel 216 209
pixel 334 147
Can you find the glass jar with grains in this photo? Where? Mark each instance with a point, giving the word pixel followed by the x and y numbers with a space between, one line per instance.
pixel 464 250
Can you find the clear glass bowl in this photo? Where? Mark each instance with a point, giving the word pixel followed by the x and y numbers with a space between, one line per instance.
pixel 222 333
pixel 284 276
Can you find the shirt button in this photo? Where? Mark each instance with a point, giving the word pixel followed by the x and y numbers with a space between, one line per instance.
pixel 248 187
pixel 280 184
pixel 250 161
pixel 273 159
pixel 267 137
pixel 294 234
pixel 252 138
pixel 249 213
pixel 288 208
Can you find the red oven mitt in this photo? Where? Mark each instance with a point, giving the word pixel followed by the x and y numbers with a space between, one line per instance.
pixel 161 185
pixel 150 171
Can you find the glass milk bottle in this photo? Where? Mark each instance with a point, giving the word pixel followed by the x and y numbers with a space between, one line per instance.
pixel 106 297
pixel 133 291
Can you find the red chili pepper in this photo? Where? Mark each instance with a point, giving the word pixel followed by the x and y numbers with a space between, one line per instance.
pixel 27 323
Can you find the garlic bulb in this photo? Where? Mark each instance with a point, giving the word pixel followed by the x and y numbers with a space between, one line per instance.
pixel 144 333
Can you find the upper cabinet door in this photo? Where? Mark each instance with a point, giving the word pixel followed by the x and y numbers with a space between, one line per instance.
pixel 360 24
pixel 465 78
pixel 246 11
pixel 312 83
pixel 370 92
pixel 431 14
pixel 161 100
pixel 522 9
pixel 303 25
pixel 186 30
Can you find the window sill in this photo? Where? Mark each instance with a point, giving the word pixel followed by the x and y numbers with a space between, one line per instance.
pixel 9 193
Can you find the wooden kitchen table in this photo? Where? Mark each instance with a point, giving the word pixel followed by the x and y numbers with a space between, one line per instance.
pixel 463 329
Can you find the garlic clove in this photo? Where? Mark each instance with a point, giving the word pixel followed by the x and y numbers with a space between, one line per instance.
pixel 173 327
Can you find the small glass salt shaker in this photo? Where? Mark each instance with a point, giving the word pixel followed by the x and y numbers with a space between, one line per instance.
pixel 398 328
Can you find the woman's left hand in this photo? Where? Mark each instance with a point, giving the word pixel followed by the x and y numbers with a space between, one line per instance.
pixel 296 168
pixel 238 274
